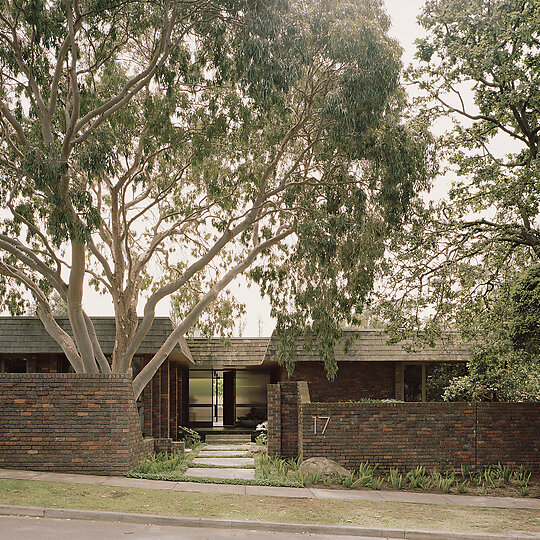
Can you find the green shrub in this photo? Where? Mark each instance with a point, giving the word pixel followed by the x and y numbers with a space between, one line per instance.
pixel 278 471
pixel 376 482
pixel 445 484
pixel 161 462
pixel 462 488
pixel 348 480
pixel 396 479
pixel 190 437
pixel 262 437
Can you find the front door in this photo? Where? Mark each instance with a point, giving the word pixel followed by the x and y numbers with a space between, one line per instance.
pixel 212 397
pixel 414 382
pixel 229 397
pixel 201 393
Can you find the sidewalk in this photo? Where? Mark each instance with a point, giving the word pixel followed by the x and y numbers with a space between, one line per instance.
pixel 313 493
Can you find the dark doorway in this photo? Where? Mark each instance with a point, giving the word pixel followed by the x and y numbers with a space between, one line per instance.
pixel 413 382
pixel 229 397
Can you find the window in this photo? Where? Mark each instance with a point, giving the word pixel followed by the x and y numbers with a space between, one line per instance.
pixel 13 365
pixel 413 378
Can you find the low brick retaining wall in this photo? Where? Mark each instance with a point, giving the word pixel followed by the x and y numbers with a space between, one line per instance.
pixel 402 435
pixel 70 423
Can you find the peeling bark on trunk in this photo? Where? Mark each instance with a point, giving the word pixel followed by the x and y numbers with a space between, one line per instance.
pixel 63 339
pixel 126 326
pixel 100 357
pixel 75 311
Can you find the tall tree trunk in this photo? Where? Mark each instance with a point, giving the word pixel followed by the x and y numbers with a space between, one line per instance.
pixel 75 311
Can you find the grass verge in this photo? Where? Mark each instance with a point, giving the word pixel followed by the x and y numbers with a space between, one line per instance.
pixel 260 508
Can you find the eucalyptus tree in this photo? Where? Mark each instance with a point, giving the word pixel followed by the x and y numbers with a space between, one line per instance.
pixel 162 148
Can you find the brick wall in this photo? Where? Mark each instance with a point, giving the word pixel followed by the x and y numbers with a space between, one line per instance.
pixel 283 417
pixel 405 435
pixel 508 433
pixel 400 435
pixel 273 400
pixel 70 423
pixel 354 380
pixel 165 401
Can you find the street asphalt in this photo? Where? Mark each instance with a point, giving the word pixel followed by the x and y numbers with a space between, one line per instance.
pixel 27 528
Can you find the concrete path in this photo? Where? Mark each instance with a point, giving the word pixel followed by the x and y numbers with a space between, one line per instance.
pixel 314 493
pixel 225 461
pixel 223 466
pixel 222 453
pixel 228 447
pixel 228 473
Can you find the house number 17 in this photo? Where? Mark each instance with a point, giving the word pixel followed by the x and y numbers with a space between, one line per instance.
pixel 321 419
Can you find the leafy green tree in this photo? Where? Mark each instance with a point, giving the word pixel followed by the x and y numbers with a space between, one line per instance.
pixel 478 67
pixel 477 79
pixel 504 365
pixel 524 328
pixel 439 375
pixel 497 375
pixel 161 149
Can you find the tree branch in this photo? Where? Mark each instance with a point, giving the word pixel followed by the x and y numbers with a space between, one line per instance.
pixel 146 374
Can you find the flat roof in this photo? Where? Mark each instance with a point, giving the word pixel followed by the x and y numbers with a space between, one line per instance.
pixel 372 346
pixel 26 335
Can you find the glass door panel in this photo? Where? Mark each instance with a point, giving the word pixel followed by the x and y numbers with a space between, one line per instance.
pixel 200 397
pixel 251 397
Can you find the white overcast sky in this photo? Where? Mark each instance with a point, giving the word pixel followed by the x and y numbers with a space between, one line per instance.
pixel 257 320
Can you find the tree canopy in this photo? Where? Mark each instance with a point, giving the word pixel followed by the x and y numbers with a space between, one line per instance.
pixel 477 80
pixel 524 328
pixel 478 67
pixel 158 149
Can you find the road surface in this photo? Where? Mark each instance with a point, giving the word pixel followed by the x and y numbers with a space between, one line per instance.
pixel 29 528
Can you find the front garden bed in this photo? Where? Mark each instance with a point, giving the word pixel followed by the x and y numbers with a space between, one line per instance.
pixel 495 480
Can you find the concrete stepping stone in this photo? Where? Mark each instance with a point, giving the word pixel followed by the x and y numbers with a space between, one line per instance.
pixel 225 461
pixel 227 473
pixel 222 453
pixel 229 447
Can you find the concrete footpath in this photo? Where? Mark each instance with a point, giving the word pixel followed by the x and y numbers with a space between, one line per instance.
pixel 305 493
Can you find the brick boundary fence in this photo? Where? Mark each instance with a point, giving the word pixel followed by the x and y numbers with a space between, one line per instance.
pixel 402 435
pixel 68 422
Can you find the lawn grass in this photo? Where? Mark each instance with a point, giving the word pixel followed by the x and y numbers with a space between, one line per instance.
pixel 260 508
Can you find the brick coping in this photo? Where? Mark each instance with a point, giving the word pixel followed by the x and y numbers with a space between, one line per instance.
pixel 97 376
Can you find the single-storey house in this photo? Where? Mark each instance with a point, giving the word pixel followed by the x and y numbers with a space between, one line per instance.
pixel 217 383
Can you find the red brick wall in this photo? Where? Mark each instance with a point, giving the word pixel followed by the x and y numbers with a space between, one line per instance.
pixel 400 435
pixel 508 433
pixel 283 416
pixel 273 400
pixel 354 380
pixel 406 434
pixel 69 423
pixel 173 397
pixel 165 401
